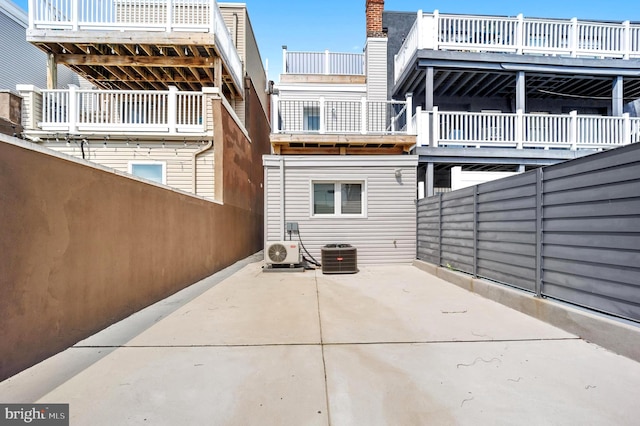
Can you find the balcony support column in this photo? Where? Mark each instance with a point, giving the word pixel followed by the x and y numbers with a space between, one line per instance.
pixel 521 91
pixel 617 96
pixel 52 72
pixel 428 89
pixel 429 176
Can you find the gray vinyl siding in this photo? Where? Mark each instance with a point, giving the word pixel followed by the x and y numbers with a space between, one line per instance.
pixel 20 61
pixel 376 64
pixel 177 157
pixel 386 235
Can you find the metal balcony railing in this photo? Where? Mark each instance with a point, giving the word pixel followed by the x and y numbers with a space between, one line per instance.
pixel 80 111
pixel 519 35
pixel 327 63
pixel 139 15
pixel 518 130
pixel 326 116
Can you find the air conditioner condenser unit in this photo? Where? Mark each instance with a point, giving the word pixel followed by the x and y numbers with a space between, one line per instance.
pixel 282 253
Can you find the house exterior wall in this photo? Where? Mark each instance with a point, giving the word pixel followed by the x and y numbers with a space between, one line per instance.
pixel 376 68
pixel 397 25
pixel 388 232
pixel 237 20
pixel 20 61
pixel 178 158
pixel 254 66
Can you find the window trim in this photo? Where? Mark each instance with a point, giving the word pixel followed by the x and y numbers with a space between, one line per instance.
pixel 163 164
pixel 338 198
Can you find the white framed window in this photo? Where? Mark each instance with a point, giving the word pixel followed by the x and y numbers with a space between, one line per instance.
pixel 152 170
pixel 338 198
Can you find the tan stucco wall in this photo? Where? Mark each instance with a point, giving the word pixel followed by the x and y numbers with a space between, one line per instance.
pixel 83 247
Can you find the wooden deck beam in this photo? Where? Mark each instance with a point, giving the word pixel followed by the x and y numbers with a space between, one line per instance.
pixel 135 61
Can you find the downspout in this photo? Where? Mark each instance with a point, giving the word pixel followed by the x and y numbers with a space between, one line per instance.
pixel 194 175
pixel 282 204
pixel 236 21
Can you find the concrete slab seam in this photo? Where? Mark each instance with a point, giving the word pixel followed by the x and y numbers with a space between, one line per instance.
pixel 324 363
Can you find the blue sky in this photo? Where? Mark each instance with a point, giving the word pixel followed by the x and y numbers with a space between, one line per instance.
pixel 339 25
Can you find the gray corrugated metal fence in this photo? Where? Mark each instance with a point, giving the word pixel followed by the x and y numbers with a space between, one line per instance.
pixel 569 231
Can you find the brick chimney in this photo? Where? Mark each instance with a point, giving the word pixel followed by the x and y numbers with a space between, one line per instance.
pixel 374 10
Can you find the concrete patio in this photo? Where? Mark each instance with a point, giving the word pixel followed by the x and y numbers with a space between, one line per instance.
pixel 391 345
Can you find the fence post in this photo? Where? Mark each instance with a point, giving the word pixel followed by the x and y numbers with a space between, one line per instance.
pixel 573 130
pixel 440 229
pixel 419 31
pixel 574 37
pixel 170 15
pixel 419 128
pixel 435 127
pixel 475 231
pixel 519 129
pixel 520 35
pixel 172 109
pixel 539 230
pixel 75 15
pixel 626 40
pixel 284 59
pixel 363 116
pixel 435 33
pixel 275 110
pixel 32 14
pixel 626 129
pixel 72 114
pixel 327 67
pixel 323 124
pixel 409 112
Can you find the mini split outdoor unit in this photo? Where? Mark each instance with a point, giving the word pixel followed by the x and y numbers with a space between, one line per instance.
pixel 339 259
pixel 282 253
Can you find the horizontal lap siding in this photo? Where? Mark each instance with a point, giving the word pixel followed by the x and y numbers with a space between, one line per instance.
pixel 391 212
pixel 591 252
pixel 273 229
pixel 177 157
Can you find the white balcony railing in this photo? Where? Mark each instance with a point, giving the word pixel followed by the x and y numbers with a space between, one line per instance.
pixel 139 15
pixel 77 111
pixel 519 35
pixel 548 131
pixel 326 116
pixel 328 63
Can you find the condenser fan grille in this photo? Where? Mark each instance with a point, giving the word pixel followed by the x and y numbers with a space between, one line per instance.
pixel 277 252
